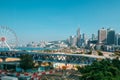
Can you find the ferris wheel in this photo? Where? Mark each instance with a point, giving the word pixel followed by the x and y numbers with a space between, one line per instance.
pixel 8 38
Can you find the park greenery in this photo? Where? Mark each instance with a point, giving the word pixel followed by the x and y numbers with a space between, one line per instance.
pixel 105 69
pixel 26 62
pixel 101 70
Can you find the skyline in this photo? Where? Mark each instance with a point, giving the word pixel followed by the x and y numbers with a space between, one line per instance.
pixel 35 20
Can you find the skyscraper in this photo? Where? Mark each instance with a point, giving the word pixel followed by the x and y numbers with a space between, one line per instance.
pixel 117 39
pixel 78 37
pixel 110 36
pixel 102 36
pixel 93 37
pixel 83 36
pixel 72 41
pixel 84 39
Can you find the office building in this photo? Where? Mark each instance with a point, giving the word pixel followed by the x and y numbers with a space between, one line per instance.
pixel 117 39
pixel 110 36
pixel 93 37
pixel 72 41
pixel 102 36
pixel 78 37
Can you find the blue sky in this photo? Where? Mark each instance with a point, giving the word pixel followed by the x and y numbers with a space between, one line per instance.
pixel 35 20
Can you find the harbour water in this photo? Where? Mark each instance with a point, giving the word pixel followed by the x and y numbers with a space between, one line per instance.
pixel 28 48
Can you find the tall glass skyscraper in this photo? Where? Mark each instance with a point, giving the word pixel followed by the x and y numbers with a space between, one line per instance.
pixel 110 36
pixel 93 37
pixel 78 37
pixel 117 39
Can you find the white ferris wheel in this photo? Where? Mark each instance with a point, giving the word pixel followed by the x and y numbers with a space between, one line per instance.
pixel 8 38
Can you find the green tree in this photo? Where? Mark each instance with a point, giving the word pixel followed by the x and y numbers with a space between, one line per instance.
pixel 26 62
pixel 101 70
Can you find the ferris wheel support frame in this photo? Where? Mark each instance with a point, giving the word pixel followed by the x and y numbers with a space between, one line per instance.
pixel 7 45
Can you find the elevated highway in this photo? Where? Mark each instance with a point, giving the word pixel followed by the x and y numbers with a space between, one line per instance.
pixel 53 57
